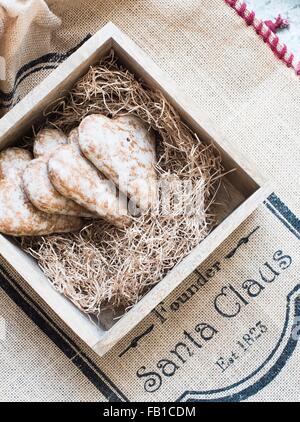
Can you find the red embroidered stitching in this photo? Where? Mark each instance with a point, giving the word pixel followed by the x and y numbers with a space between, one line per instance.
pixel 268 36
pixel 242 10
pixel 250 19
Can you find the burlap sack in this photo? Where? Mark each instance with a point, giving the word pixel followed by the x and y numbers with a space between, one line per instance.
pixel 230 332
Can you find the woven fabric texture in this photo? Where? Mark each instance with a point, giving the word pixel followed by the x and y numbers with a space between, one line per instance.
pixel 195 350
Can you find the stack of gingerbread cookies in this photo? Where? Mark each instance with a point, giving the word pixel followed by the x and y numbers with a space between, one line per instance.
pixel 91 173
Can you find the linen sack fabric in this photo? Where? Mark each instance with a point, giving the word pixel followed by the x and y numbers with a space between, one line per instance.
pixel 231 330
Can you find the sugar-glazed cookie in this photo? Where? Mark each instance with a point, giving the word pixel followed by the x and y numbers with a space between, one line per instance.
pixel 47 140
pixel 18 217
pixel 37 184
pixel 123 149
pixel 76 178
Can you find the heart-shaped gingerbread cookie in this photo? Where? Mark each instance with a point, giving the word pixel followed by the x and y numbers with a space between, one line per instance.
pixel 18 217
pixel 123 149
pixel 76 178
pixel 37 184
pixel 47 140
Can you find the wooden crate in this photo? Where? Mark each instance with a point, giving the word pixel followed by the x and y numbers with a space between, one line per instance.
pixel 246 181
